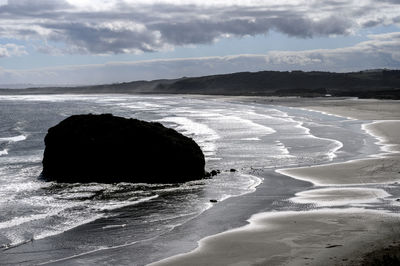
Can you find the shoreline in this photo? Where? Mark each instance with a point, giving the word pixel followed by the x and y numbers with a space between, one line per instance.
pixel 377 168
pixel 227 216
pixel 343 180
pixel 275 238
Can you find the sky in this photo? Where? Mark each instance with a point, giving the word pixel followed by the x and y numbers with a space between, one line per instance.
pixel 74 42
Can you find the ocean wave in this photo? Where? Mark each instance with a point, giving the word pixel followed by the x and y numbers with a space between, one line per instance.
pixel 251 139
pixel 200 132
pixel 245 125
pixel 18 186
pixel 59 216
pixel 333 147
pixel 33 217
pixel 252 184
pixel 13 139
pixel 108 206
pixel 113 226
pixel 282 147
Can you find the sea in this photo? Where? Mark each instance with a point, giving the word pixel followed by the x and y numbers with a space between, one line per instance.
pixel 247 137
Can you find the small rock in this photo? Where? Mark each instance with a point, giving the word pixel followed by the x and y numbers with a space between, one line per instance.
pixel 213 200
pixel 232 170
pixel 333 246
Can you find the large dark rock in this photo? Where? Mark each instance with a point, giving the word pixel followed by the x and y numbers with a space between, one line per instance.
pixel 107 149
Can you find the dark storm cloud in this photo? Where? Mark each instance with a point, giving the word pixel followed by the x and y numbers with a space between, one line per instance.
pixel 372 23
pixel 98 40
pixel 202 31
pixel 305 27
pixel 207 31
pixel 29 8
pixel 124 27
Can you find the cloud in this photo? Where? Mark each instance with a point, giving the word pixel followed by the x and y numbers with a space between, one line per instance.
pixel 10 49
pixel 127 26
pixel 380 51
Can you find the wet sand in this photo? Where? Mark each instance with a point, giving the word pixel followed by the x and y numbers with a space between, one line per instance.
pixel 332 236
pixel 328 236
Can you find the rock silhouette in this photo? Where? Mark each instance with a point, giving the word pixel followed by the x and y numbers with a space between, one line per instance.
pixel 108 149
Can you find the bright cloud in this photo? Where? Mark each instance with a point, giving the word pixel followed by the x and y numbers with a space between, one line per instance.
pixel 118 27
pixel 10 49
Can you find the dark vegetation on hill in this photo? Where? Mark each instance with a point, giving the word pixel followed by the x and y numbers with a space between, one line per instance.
pixel 381 84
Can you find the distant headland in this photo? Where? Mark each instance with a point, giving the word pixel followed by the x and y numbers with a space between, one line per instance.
pixel 378 84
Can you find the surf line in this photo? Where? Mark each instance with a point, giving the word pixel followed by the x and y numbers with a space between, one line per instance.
pixel 382 141
pixel 11 246
pixel 13 139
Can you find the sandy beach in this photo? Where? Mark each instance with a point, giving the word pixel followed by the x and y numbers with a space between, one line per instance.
pixel 336 214
pixel 346 228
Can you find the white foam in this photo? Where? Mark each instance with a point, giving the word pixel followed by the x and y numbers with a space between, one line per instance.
pixel 68 225
pixel 385 146
pixel 340 196
pixel 247 124
pixel 251 139
pixel 114 226
pixel 253 183
pixel 13 139
pixel 244 184
pixel 42 98
pixel 67 221
pixel 25 219
pixel 282 147
pixel 62 211
pixel 4 152
pixel 289 172
pixel 334 147
pixel 15 240
pixel 139 105
pixel 201 133
pixel 18 186
pixel 117 205
pixel 282 118
pixel 324 113
pixel 191 127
